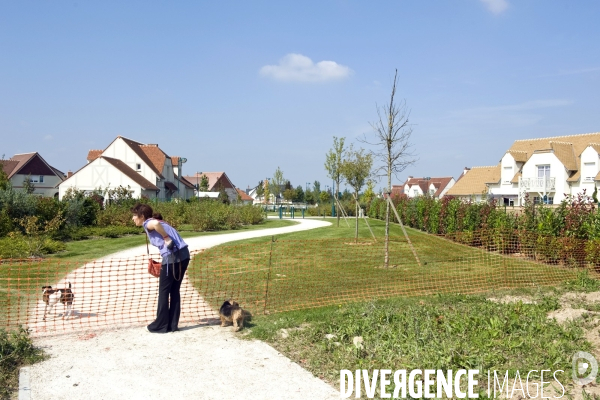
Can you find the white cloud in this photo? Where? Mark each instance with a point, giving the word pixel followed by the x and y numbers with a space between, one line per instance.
pixel 496 6
pixel 48 137
pixel 299 68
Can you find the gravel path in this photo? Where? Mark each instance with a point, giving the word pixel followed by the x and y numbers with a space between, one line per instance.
pixel 201 361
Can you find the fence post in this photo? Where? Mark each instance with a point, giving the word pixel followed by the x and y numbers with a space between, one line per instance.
pixel 268 276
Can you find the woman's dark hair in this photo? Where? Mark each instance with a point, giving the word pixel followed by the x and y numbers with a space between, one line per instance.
pixel 157 216
pixel 142 210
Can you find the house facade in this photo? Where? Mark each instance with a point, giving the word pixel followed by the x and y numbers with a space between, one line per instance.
pixel 434 187
pixel 216 182
pixel 143 168
pixel 545 170
pixel 44 177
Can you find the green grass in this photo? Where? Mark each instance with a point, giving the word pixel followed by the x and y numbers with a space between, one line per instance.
pixel 434 332
pixel 325 266
pixel 16 350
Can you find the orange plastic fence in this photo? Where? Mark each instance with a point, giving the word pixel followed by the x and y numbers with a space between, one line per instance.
pixel 283 275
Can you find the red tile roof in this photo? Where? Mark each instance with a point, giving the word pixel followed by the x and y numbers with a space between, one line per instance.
pixel 156 155
pixel 243 195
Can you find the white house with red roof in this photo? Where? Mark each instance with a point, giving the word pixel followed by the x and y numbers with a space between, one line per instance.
pixel 44 177
pixel 143 168
pixel 434 187
pixel 216 182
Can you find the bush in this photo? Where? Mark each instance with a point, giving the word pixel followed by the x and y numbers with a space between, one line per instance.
pixel 16 350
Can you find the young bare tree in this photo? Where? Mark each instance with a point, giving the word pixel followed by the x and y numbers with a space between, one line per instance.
pixel 392 132
pixel 356 169
pixel 333 164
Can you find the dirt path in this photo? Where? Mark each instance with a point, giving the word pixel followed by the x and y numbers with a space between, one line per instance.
pixel 202 361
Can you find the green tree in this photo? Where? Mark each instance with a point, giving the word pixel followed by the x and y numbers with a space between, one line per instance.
pixel 393 148
pixel 356 168
pixel 28 185
pixel 277 183
pixel 203 187
pixel 324 197
pixel 260 190
pixel 317 191
pixel 333 165
pixel 299 197
pixel 4 182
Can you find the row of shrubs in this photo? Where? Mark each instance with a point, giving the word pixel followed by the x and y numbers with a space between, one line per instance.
pixel 34 226
pixel 568 234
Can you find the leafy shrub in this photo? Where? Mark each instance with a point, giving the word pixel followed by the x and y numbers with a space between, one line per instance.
pixel 16 350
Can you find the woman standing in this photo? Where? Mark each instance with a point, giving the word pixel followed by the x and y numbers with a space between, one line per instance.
pixel 175 260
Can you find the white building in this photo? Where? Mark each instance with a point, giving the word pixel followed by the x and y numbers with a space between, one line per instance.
pixel 544 169
pixel 143 168
pixel 434 187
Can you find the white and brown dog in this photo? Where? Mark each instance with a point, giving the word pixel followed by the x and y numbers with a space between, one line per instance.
pixel 52 296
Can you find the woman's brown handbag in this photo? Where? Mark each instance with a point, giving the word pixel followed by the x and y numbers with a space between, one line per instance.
pixel 153 266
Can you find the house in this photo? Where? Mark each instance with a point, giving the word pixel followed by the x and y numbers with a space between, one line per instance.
pixel 143 168
pixel 545 170
pixel 216 182
pixel 260 199
pixel 32 166
pixel 434 187
pixel 243 198
pixel 472 184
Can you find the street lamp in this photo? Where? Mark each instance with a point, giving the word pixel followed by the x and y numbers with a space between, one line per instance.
pixel 198 184
pixel 180 163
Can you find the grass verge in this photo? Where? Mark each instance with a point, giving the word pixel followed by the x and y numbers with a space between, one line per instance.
pixel 447 332
pixel 16 350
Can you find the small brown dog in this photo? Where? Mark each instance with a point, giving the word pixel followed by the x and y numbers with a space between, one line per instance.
pixel 232 312
pixel 53 296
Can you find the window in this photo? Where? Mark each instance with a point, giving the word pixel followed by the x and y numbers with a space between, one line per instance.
pixel 138 167
pixel 507 175
pixel 543 200
pixel 36 179
pixel 589 171
pixel 41 178
pixel 543 171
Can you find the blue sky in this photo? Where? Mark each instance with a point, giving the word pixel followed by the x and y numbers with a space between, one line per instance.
pixel 246 87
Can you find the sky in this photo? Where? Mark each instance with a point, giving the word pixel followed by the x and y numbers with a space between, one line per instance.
pixel 247 87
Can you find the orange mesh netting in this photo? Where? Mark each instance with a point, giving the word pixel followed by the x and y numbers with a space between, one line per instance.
pixel 283 275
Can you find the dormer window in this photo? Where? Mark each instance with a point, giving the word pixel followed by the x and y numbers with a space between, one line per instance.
pixel 138 167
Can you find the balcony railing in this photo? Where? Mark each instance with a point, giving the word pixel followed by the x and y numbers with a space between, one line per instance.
pixel 537 184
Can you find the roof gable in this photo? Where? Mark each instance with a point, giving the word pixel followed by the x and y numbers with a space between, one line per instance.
pixel 30 164
pixel 213 178
pixel 136 147
pixel 130 173
pixel 566 154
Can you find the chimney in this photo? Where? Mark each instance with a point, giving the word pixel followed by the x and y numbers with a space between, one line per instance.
pixel 467 169
pixel 69 174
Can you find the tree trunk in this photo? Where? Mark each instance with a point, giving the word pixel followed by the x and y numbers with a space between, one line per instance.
pixel 356 228
pixel 386 261
pixel 335 198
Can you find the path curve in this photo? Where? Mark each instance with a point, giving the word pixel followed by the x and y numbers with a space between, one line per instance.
pixel 198 362
pixel 116 290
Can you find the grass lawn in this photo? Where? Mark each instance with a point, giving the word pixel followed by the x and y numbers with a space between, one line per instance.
pixel 20 282
pixel 325 266
pixel 447 332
